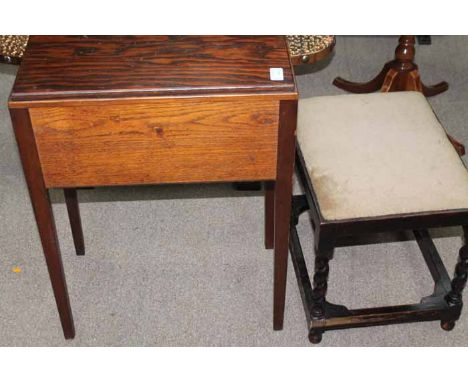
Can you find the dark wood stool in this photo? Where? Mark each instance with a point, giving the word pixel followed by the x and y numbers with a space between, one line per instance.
pixel 369 164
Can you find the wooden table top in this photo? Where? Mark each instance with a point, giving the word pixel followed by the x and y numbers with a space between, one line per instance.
pixel 85 67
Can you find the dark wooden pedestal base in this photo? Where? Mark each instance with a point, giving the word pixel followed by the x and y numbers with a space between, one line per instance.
pixel 397 75
pixel 444 304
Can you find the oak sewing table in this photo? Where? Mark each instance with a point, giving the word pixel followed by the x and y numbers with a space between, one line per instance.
pixel 133 110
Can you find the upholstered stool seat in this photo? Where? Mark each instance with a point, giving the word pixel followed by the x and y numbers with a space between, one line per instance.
pixel 377 163
pixel 379 154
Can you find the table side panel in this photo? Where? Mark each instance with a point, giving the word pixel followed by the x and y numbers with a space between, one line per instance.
pixel 172 141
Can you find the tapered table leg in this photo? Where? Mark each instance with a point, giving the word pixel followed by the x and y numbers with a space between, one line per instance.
pixel 269 215
pixel 44 217
pixel 282 211
pixel 71 200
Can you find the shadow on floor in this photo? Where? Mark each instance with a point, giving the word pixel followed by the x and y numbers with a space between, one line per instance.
pixel 155 192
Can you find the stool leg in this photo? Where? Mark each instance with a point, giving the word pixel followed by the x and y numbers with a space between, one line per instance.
pixel 454 297
pixel 71 199
pixel 319 291
pixel 320 283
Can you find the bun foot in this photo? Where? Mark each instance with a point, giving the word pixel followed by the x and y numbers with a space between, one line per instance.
pixel 447 325
pixel 315 337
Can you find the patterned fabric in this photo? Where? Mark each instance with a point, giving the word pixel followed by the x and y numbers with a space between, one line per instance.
pixel 12 48
pixel 300 45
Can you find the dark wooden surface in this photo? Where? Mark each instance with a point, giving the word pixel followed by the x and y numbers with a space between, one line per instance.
pixel 70 67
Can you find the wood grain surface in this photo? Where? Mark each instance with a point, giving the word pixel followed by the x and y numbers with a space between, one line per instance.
pixel 70 67
pixel 173 141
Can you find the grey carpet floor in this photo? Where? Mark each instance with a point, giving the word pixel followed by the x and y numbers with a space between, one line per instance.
pixel 185 265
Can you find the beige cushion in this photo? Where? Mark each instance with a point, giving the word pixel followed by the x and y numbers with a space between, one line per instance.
pixel 379 154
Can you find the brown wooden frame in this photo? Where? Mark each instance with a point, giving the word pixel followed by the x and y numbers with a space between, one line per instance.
pixel 445 304
pixel 222 82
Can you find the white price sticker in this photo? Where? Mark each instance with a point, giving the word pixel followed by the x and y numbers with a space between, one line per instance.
pixel 276 74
